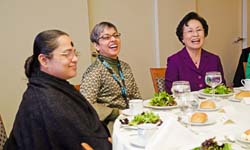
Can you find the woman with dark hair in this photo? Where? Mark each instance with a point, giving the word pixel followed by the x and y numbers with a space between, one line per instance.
pixel 192 62
pixel 108 84
pixel 53 114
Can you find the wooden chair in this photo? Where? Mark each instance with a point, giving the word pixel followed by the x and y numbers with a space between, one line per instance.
pixel 3 135
pixel 158 78
pixel 244 67
pixel 77 86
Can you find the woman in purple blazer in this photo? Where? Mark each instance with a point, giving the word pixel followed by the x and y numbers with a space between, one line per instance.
pixel 192 62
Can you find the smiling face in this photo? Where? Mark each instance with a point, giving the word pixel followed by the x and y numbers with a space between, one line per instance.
pixel 109 47
pixel 193 35
pixel 63 60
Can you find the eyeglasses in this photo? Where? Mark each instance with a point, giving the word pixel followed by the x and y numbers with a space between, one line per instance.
pixel 190 31
pixel 70 54
pixel 108 36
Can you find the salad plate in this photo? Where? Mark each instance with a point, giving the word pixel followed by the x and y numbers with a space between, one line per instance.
pixel 202 93
pixel 147 104
pixel 144 118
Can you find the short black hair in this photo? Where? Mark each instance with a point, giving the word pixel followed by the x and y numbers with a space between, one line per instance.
pixel 186 19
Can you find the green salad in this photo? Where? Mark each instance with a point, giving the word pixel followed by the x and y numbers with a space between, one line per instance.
pixel 220 89
pixel 162 99
pixel 145 117
pixel 211 144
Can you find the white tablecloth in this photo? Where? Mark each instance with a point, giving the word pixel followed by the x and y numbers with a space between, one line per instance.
pixel 238 112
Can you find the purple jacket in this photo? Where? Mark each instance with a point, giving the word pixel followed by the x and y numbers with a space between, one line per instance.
pixel 181 67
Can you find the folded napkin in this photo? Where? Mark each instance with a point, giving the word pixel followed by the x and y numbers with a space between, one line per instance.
pixel 171 135
pixel 246 100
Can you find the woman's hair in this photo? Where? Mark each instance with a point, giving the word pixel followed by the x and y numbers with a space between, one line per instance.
pixel 186 19
pixel 98 29
pixel 44 43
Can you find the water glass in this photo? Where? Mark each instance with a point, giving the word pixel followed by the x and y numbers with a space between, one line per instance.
pixel 135 106
pixel 180 88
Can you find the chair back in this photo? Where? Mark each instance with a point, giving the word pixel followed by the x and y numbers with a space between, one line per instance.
pixel 158 78
pixel 3 135
pixel 77 87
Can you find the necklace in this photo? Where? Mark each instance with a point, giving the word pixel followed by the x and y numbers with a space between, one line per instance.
pixel 121 85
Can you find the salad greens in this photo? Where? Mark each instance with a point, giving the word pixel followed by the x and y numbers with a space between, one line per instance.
pixel 145 117
pixel 211 144
pixel 220 89
pixel 162 99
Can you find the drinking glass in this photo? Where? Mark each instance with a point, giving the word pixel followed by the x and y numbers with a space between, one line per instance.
pixel 180 88
pixel 213 79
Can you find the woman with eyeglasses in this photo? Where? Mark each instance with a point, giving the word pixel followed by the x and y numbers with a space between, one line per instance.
pixel 52 113
pixel 108 83
pixel 192 62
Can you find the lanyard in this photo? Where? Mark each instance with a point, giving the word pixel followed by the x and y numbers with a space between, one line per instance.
pixel 121 85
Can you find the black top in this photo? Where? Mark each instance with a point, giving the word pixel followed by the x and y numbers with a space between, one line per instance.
pixel 239 73
pixel 53 115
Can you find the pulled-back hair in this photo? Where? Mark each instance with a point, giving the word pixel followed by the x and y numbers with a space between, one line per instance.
pixel 44 43
pixel 98 29
pixel 186 19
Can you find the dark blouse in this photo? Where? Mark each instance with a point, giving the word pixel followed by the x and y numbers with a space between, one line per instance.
pixel 53 115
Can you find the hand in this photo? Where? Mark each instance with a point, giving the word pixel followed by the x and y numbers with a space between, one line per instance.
pixel 86 146
pixel 110 139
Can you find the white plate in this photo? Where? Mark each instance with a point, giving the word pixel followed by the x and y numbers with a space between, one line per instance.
pixel 216 95
pixel 210 121
pixel 129 127
pixel 137 141
pixel 207 109
pixel 192 146
pixel 146 104
pixel 127 112
pixel 242 140
pixel 234 99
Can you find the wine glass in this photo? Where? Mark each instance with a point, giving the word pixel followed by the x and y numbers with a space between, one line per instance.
pixel 213 79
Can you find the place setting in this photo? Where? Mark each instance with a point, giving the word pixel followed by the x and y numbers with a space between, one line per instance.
pixel 216 90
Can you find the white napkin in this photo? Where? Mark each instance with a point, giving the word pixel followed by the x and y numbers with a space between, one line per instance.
pixel 246 100
pixel 171 135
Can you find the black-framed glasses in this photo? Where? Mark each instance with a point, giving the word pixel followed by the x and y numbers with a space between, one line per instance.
pixel 108 36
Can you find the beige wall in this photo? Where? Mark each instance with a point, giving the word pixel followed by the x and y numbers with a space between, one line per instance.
pixel 20 22
pixel 170 13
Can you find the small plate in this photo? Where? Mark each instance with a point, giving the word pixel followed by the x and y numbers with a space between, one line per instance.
pixel 208 122
pixel 207 109
pixel 234 99
pixel 146 104
pixel 242 140
pixel 127 112
pixel 216 95
pixel 137 141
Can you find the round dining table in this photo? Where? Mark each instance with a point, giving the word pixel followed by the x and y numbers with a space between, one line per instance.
pixel 230 119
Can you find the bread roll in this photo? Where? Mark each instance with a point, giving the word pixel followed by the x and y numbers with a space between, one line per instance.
pixel 208 104
pixel 199 117
pixel 242 94
pixel 247 132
